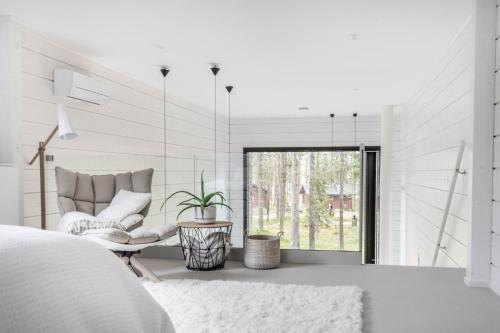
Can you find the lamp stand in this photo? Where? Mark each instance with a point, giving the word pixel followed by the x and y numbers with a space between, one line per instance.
pixel 41 157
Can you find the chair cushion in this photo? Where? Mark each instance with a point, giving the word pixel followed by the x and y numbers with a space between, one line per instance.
pixel 124 204
pixel 124 182
pixel 104 188
pixel 66 183
pixel 131 222
pixel 92 194
pixel 164 231
pixel 142 235
pixel 110 234
pixel 141 180
pixel 153 233
pixel 84 190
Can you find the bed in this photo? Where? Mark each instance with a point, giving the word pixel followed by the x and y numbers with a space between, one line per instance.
pixel 53 282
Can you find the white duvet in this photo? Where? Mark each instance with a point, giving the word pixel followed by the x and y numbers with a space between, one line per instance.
pixel 52 282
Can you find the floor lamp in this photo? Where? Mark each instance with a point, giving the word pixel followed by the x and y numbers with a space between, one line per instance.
pixel 66 132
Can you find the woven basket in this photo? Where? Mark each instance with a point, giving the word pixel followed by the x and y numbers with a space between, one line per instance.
pixel 262 251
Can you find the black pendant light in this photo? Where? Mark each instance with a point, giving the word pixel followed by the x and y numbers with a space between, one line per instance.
pixel 331 117
pixel 229 89
pixel 355 116
pixel 215 69
pixel 164 72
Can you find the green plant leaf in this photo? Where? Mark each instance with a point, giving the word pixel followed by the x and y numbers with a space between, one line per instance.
pixel 188 204
pixel 187 201
pixel 185 192
pixel 215 194
pixel 202 186
pixel 193 197
pixel 220 204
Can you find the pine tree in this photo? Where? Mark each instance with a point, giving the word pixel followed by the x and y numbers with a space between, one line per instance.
pixel 260 193
pixel 312 208
pixel 295 237
pixel 341 210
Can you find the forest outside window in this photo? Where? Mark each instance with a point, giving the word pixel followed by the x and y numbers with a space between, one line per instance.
pixel 312 196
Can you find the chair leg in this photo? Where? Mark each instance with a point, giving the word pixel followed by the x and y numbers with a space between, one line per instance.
pixel 136 264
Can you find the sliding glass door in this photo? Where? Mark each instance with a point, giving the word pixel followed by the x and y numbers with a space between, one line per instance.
pixel 311 196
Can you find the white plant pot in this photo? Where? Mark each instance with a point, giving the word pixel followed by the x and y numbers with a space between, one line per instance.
pixel 209 215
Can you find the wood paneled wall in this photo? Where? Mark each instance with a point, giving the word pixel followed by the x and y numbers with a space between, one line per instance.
pixel 125 135
pixel 437 118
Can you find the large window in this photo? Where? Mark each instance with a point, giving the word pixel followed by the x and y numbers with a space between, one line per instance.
pixel 311 196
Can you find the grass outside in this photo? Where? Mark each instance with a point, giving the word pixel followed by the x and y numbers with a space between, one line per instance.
pixel 327 238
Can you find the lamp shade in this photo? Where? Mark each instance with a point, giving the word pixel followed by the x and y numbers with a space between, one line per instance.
pixel 66 131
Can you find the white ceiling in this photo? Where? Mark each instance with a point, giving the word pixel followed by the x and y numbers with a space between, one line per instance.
pixel 278 54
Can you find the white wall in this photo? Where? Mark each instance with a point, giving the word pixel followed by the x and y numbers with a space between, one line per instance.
pixel 438 116
pixel 125 135
pixel 290 132
pixel 397 229
pixel 495 228
pixel 11 165
pixel 390 229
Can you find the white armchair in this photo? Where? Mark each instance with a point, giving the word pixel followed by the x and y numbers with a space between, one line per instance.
pixel 83 199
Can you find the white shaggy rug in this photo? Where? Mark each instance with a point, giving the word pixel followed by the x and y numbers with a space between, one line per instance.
pixel 232 306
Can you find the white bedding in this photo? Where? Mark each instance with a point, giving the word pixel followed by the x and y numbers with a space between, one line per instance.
pixel 53 282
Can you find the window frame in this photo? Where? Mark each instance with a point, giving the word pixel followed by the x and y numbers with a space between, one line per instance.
pixel 247 150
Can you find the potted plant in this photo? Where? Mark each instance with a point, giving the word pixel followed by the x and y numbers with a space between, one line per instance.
pixel 205 205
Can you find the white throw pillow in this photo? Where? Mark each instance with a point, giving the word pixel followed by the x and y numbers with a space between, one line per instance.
pixel 125 203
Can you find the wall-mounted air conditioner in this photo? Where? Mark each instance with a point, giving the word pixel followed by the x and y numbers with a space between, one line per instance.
pixel 68 83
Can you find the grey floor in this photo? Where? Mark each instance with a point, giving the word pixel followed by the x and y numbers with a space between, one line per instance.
pixel 396 298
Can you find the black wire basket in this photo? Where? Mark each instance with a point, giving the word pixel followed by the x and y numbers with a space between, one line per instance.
pixel 205 247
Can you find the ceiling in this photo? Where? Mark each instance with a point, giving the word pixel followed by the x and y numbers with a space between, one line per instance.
pixel 331 56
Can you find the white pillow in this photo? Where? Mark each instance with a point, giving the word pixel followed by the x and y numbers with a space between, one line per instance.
pixel 125 203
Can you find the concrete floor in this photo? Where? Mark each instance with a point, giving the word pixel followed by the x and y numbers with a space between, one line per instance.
pixel 396 298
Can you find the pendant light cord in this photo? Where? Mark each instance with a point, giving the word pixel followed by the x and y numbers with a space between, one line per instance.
pixel 355 129
pixel 215 131
pixel 355 115
pixel 229 155
pixel 165 143
pixel 331 159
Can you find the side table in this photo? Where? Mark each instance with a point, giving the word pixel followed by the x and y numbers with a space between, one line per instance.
pixel 205 246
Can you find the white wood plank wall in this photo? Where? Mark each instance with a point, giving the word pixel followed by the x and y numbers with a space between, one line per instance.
pixel 495 229
pixel 396 189
pixel 125 135
pixel 437 118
